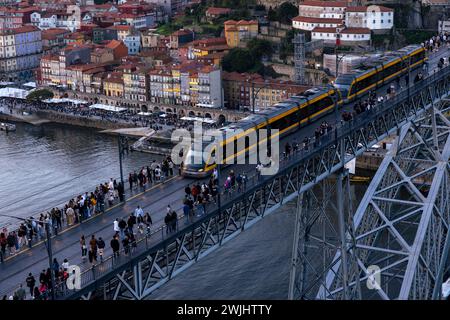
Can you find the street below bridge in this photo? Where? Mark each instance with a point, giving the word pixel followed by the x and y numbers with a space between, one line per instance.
pixel 154 200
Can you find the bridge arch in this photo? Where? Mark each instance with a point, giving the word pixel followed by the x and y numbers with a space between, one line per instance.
pixel 221 119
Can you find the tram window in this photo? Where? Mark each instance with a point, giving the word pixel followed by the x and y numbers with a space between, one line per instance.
pixel 281 123
pixel 417 57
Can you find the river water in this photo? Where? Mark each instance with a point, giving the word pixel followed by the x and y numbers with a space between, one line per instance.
pixel 254 265
pixel 44 166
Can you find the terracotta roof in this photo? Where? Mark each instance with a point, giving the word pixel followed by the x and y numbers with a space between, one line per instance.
pixel 209 41
pixel 229 22
pixel 95 70
pixel 47 14
pixel 23 29
pixel 52 33
pixel 317 20
pixel 364 9
pixel 344 31
pixel 327 4
pixel 182 32
pixel 121 27
pixel 245 22
pixel 113 44
pixel 324 30
pixel 213 47
pixel 53 57
pixel 356 31
pixel 236 76
pixel 217 11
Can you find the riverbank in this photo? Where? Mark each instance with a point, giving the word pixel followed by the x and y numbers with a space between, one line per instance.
pixel 45 116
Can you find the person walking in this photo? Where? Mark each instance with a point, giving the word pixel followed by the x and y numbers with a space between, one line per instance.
pixel 70 216
pixel 93 250
pixel 31 283
pixel 131 222
pixel 65 265
pixel 55 267
pixel 174 220
pixel 186 212
pixel 122 226
pixel 138 212
pixel 126 244
pixel 83 248
pixel 20 293
pixel 148 221
pixel 121 191
pixel 101 248
pixel 115 246
pixel 167 222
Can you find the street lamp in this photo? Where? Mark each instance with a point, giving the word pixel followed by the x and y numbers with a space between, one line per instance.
pixel 123 145
pixel 49 250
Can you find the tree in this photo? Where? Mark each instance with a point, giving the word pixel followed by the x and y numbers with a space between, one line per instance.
pixel 39 95
pixel 272 15
pixel 239 60
pixel 286 11
pixel 259 48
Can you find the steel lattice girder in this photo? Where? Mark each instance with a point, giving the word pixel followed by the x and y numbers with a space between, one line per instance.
pixel 402 224
pixel 137 278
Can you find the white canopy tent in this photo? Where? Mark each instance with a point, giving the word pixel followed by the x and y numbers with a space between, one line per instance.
pixel 13 93
pixel 5 83
pixel 206 120
pixel 107 107
pixel 30 84
pixel 63 100
pixel 206 105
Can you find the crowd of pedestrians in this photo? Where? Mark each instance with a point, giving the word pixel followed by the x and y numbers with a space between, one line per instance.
pixel 435 43
pixel 157 120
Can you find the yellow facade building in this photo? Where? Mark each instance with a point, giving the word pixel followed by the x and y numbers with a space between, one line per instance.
pixel 237 31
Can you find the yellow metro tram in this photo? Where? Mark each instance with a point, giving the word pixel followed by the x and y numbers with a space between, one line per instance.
pixel 305 108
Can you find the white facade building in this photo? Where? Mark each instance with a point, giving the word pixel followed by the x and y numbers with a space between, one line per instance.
pixel 314 9
pixel 331 14
pixel 309 23
pixel 348 36
pixel 373 17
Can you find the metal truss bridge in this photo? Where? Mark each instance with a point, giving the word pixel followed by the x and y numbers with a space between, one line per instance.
pixel 399 230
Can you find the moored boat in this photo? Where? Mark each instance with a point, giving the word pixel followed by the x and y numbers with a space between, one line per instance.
pixel 7 127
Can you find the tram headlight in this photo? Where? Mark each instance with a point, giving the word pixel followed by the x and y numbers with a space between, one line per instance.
pixel 200 170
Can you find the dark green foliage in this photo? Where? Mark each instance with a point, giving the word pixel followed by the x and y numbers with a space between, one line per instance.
pixel 39 95
pixel 239 60
pixel 284 13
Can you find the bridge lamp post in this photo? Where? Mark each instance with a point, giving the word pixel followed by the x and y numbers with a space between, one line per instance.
pixel 49 249
pixel 122 146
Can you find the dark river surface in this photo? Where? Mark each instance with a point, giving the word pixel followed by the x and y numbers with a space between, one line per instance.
pixel 44 166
